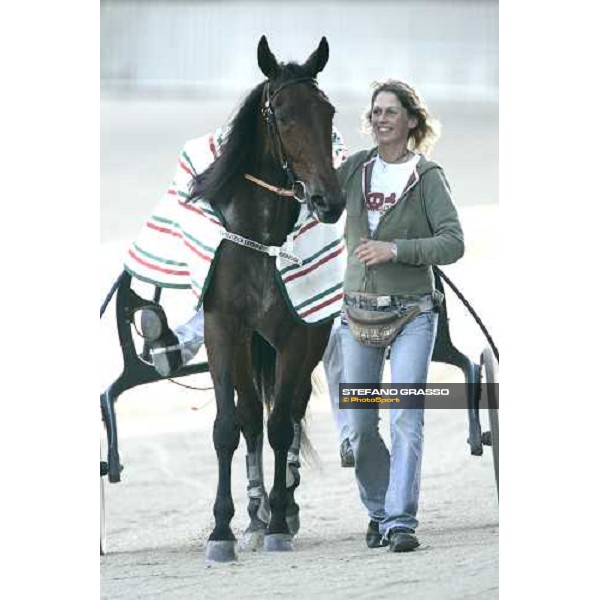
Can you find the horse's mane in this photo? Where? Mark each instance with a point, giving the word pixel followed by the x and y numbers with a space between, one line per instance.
pixel 239 147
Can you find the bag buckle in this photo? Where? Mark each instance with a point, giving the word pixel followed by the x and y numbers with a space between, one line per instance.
pixel 384 301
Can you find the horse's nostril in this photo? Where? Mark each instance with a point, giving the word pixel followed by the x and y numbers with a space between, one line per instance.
pixel 318 200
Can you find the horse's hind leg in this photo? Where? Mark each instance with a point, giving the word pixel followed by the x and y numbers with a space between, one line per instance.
pixel 292 511
pixel 250 415
pixel 258 502
pixel 298 410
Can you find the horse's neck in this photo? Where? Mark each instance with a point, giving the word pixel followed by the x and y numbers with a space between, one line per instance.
pixel 262 215
pixel 259 214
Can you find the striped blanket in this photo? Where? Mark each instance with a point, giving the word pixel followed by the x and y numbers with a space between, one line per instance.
pixel 178 243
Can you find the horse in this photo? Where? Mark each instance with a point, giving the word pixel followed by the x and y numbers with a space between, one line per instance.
pixel 277 155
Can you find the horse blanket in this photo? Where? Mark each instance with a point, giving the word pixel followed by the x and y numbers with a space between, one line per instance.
pixel 178 245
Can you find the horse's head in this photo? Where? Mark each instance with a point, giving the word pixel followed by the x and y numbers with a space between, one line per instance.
pixel 299 121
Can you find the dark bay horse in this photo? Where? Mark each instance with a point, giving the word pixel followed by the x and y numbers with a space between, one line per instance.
pixel 281 138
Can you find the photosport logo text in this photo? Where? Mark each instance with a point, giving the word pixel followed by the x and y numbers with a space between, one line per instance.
pixel 420 395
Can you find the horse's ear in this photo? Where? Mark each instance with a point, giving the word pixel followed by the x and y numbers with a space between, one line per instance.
pixel 318 59
pixel 266 61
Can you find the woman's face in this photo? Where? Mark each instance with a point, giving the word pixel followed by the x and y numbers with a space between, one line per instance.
pixel 390 121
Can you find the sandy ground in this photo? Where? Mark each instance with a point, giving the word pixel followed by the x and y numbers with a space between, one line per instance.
pixel 160 515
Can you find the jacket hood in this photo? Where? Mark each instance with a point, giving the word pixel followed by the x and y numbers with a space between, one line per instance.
pixel 423 165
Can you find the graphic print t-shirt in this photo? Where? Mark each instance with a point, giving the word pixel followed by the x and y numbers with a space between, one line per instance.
pixel 387 184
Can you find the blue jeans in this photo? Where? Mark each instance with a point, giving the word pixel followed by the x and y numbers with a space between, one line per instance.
pixel 389 482
pixel 191 336
pixel 334 371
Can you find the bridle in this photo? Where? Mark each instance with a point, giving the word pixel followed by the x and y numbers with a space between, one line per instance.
pixel 297 187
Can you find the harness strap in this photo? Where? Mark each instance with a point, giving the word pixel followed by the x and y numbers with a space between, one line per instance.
pixel 270 250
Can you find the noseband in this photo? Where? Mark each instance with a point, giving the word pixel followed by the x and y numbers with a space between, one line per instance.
pixel 297 187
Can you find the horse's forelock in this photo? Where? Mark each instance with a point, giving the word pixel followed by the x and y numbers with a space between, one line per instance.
pixel 289 72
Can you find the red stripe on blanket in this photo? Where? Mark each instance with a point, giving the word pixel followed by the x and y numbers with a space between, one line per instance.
pixel 200 212
pixel 185 168
pixel 161 269
pixel 178 235
pixel 306 228
pixel 175 192
pixel 211 141
pixel 163 229
pixel 323 304
pixel 195 251
pixel 325 259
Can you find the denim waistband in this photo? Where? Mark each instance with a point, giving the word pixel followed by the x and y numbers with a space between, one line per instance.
pixel 369 302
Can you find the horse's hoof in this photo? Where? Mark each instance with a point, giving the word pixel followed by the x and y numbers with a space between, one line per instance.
pixel 293 523
pixel 278 542
pixel 252 540
pixel 220 551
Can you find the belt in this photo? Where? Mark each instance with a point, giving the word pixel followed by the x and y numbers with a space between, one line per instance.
pixel 372 302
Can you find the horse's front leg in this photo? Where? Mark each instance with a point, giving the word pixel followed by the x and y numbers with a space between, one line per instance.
pixel 226 437
pixel 284 436
pixel 295 365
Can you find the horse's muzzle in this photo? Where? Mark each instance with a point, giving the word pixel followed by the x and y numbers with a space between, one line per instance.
pixel 328 209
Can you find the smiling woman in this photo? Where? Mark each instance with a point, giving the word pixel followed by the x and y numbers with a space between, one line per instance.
pixel 397 99
pixel 400 222
pixel 391 125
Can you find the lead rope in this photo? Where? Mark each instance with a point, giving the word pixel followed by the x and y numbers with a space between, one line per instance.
pixel 456 290
pixel 471 310
pixel 191 387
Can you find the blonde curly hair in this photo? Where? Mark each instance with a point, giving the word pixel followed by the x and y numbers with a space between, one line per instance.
pixel 427 132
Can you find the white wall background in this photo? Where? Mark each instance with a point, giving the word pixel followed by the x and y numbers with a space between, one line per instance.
pixel 447 49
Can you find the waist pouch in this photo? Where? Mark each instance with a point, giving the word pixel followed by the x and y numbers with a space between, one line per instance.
pixel 377 328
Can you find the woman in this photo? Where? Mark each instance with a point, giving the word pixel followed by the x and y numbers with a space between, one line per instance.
pixel 400 222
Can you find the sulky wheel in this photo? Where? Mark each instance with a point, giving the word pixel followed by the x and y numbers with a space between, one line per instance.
pixel 489 373
pixel 103 472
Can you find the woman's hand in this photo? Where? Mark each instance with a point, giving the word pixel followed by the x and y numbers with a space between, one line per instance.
pixel 372 252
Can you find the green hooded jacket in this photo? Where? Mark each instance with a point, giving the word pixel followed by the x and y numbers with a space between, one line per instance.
pixel 423 224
